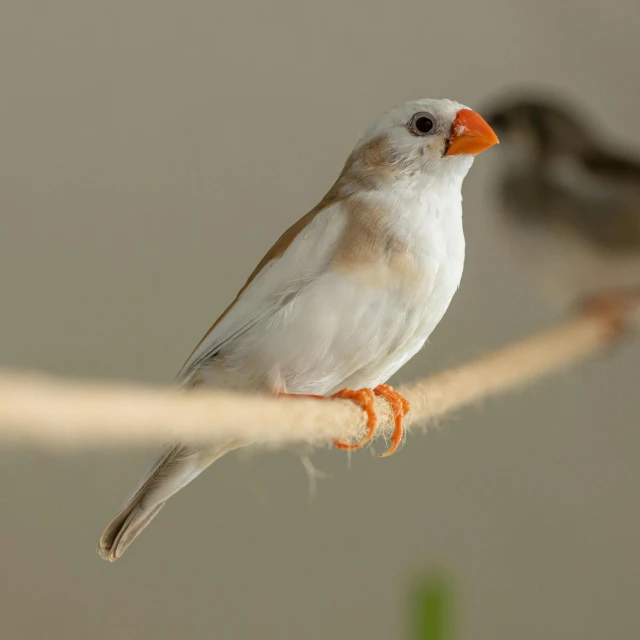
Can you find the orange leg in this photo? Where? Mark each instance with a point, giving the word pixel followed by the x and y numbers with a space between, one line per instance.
pixel 365 398
pixel 612 305
pixel 400 406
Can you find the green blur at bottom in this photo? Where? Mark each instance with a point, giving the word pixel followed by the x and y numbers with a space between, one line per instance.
pixel 431 608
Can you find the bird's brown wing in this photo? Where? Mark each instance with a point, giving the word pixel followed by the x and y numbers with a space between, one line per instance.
pixel 300 255
pixel 609 166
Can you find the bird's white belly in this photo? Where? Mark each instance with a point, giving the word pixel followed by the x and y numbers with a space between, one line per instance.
pixel 340 332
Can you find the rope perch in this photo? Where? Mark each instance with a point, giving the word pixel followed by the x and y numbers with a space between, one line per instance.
pixel 46 411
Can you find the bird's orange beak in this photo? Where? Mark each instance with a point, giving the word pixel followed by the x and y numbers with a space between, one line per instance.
pixel 470 134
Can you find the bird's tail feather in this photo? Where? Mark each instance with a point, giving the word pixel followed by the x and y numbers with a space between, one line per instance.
pixel 174 470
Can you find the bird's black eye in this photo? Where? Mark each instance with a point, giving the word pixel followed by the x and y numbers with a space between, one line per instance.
pixel 421 124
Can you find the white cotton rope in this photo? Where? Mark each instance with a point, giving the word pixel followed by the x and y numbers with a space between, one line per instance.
pixel 46 411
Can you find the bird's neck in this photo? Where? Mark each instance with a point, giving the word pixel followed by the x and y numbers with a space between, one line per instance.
pixel 419 213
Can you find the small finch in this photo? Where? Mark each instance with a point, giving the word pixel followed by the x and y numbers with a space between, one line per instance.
pixel 346 295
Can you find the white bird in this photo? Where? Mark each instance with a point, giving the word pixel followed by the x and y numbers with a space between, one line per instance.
pixel 345 297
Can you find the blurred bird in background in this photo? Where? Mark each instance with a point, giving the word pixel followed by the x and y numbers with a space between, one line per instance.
pixel 570 200
pixel 345 297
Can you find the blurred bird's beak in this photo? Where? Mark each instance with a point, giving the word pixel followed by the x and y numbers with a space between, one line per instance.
pixel 470 134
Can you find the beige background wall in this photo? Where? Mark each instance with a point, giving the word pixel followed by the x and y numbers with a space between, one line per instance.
pixel 150 152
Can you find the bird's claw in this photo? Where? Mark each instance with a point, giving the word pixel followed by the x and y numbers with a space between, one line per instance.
pixel 400 407
pixel 365 398
pixel 612 306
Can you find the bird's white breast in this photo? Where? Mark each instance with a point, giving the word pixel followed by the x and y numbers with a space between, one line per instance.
pixel 357 326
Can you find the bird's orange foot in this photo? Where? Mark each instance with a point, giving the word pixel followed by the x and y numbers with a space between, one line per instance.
pixel 400 406
pixel 365 398
pixel 613 306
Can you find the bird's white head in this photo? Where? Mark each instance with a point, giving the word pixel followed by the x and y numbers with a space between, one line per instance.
pixel 429 138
